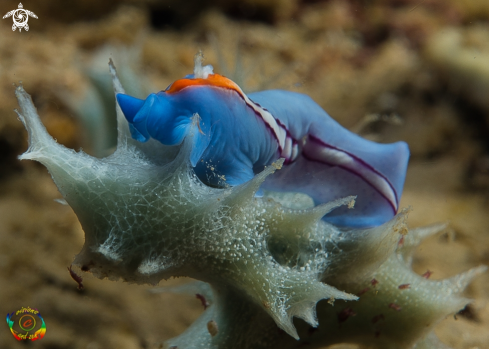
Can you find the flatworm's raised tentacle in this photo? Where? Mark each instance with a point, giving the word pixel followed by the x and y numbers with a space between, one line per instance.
pixel 239 135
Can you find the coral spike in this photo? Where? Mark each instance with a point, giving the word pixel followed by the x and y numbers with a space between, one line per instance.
pixel 456 284
pixel 246 191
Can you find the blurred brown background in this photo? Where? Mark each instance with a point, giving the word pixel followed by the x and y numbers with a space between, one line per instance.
pixel 418 70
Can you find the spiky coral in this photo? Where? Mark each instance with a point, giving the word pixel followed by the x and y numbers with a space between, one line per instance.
pixel 147 217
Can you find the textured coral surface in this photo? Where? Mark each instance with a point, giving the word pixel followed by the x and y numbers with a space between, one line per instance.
pixel 352 59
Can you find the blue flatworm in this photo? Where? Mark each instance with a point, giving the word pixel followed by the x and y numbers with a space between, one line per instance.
pixel 240 134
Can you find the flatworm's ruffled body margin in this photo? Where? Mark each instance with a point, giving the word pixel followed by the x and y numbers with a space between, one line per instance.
pixel 147 217
pixel 239 135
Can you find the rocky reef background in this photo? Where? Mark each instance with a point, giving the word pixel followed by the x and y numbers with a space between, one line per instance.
pixel 419 69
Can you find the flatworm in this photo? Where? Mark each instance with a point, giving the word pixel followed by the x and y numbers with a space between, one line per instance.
pixel 239 135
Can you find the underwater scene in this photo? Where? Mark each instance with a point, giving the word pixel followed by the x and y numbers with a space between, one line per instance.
pixel 244 174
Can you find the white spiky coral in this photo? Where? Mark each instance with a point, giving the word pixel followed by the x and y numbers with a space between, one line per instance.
pixel 146 222
pixel 147 217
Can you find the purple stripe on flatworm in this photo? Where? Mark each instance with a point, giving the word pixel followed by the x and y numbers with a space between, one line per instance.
pixel 357 172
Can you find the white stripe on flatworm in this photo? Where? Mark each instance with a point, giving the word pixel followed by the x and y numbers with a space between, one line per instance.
pixel 295 152
pixel 279 132
pixel 286 149
pixel 335 157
